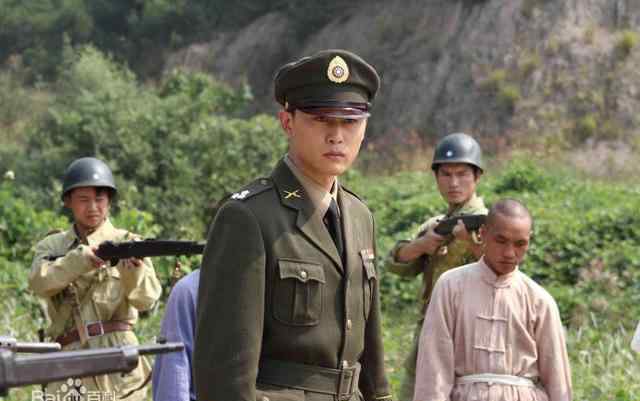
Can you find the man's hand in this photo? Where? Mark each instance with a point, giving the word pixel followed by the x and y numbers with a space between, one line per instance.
pixel 131 263
pixel 460 232
pixel 430 242
pixel 95 261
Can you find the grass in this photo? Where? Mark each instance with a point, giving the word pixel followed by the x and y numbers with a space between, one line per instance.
pixel 604 368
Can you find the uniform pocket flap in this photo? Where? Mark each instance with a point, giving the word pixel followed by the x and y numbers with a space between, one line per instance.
pixel 301 270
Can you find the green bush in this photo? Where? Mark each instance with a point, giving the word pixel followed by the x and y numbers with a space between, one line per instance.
pixel 627 41
pixel 161 143
pixel 586 127
pixel 522 175
pixel 509 96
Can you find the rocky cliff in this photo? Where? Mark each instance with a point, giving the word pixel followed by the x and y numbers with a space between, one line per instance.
pixel 538 70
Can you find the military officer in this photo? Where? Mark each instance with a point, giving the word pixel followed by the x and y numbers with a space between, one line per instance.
pixel 457 167
pixel 90 303
pixel 288 303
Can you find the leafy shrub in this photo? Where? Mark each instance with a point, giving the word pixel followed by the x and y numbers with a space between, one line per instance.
pixel 161 143
pixel 508 97
pixel 522 175
pixel 586 127
pixel 627 41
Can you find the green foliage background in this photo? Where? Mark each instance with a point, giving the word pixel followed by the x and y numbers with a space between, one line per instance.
pixel 179 147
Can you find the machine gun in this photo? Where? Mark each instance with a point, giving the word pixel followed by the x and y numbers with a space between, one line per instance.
pixel 17 371
pixel 13 345
pixel 471 221
pixel 114 251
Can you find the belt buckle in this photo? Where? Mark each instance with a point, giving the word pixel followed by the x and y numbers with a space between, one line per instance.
pixel 342 381
pixel 99 323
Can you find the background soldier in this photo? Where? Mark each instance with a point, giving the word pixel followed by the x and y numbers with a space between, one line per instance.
pixel 288 304
pixel 457 167
pixel 92 304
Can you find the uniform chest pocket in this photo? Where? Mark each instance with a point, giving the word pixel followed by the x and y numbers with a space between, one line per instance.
pixel 369 280
pixel 107 288
pixel 297 295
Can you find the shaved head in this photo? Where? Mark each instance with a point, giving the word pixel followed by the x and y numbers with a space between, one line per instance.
pixel 506 235
pixel 509 208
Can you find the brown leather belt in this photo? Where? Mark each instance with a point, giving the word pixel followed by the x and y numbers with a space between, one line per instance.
pixel 341 383
pixel 94 329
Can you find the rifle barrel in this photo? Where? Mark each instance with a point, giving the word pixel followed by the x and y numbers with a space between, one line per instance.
pixel 14 345
pixel 16 371
pixel 38 348
pixel 159 348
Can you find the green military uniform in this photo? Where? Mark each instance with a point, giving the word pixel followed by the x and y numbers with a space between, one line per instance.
pixel 113 295
pixel 280 315
pixel 451 254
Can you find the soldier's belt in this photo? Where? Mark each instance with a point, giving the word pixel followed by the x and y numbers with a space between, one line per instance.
pixel 341 383
pixel 94 329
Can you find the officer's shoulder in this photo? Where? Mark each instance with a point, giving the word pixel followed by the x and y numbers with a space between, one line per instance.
pixel 252 189
pixel 355 195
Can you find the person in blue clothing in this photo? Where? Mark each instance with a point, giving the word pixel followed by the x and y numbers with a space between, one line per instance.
pixel 172 378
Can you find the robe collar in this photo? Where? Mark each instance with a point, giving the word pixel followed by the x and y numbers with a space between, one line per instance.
pixel 491 278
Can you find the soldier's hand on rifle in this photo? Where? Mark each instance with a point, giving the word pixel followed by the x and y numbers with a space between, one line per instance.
pixel 131 263
pixel 430 242
pixel 472 238
pixel 460 232
pixel 95 261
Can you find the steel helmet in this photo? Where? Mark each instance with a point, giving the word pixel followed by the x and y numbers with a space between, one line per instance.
pixel 88 172
pixel 457 148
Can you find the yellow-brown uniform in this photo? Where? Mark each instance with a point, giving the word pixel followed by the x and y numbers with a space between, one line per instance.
pixel 452 253
pixel 279 312
pixel 105 294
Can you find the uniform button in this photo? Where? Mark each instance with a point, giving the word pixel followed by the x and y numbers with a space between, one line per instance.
pixel 264 398
pixel 349 324
pixel 303 274
pixel 345 364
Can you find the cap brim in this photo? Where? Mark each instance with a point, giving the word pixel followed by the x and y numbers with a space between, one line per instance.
pixel 350 113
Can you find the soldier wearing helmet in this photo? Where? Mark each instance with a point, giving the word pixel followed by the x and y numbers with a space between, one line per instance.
pixel 457 168
pixel 91 304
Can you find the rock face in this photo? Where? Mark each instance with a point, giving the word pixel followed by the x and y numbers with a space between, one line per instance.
pixel 524 69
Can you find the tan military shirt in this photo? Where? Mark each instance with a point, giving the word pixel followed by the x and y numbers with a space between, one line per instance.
pixel 110 293
pixel 451 254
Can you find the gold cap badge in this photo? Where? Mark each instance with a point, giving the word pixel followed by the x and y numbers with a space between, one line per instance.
pixel 338 71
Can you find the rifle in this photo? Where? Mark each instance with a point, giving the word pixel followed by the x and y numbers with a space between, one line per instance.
pixel 13 345
pixel 17 371
pixel 471 221
pixel 114 251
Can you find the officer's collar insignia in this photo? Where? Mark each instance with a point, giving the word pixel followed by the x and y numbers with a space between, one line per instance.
pixel 240 195
pixel 338 71
pixel 449 153
pixel 292 194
